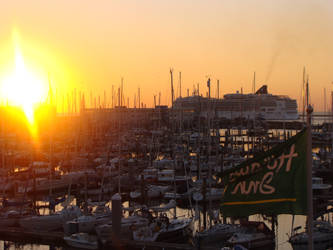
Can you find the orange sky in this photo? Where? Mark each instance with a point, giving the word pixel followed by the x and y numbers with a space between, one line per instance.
pixel 90 45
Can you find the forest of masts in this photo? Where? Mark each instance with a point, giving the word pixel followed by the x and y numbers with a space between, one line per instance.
pixel 72 101
pixel 75 100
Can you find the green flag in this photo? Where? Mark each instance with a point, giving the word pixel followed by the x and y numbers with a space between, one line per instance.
pixel 273 182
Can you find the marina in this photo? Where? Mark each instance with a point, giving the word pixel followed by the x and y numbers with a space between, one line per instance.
pixel 166 125
pixel 66 195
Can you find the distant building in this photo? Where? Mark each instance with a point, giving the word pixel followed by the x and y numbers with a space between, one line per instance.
pixel 127 117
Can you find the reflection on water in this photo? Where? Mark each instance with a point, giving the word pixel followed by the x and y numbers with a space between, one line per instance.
pixel 5 245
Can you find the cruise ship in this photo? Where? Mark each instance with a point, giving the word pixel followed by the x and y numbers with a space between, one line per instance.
pixel 261 105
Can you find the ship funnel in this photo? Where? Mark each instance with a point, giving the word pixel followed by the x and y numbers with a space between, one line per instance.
pixel 262 90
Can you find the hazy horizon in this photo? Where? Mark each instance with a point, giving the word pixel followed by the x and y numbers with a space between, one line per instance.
pixel 89 46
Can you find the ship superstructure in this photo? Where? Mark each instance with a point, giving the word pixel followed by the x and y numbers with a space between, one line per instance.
pixel 237 105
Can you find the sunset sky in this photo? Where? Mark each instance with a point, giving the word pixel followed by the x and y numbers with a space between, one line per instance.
pixel 90 45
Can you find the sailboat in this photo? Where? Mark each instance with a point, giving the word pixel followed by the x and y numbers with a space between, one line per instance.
pixel 217 233
pixel 153 191
pixel 253 235
pixel 82 241
pixel 166 230
pixel 50 222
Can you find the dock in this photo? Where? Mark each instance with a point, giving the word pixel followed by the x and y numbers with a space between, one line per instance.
pixel 56 239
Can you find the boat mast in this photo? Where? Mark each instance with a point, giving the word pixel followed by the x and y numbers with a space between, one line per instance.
pixel 91 99
pixel 309 171
pixel 180 84
pixel 254 83
pixel 181 103
pixel 112 97
pixel 254 102
pixel 325 104
pixel 3 140
pixel 172 91
pixel 209 108
pixel 139 97
pixel 159 110
pixel 307 92
pixel 121 92
pixel 104 100
pixel 119 139
pixel 303 95
pixel 118 97
pixel 331 109
pixel 75 102
pixel 134 100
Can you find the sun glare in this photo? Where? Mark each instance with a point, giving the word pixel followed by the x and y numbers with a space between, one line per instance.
pixel 22 88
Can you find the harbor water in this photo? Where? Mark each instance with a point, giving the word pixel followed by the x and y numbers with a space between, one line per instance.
pixel 283 231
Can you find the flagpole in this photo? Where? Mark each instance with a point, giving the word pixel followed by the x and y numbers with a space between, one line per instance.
pixel 309 111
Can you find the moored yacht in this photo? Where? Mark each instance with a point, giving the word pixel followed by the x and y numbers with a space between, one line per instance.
pixel 50 222
pixel 320 188
pixel 104 231
pixel 152 192
pixel 165 230
pixel 253 235
pixel 82 241
pixel 322 237
pixel 217 233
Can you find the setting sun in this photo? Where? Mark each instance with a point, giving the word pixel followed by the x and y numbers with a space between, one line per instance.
pixel 21 87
